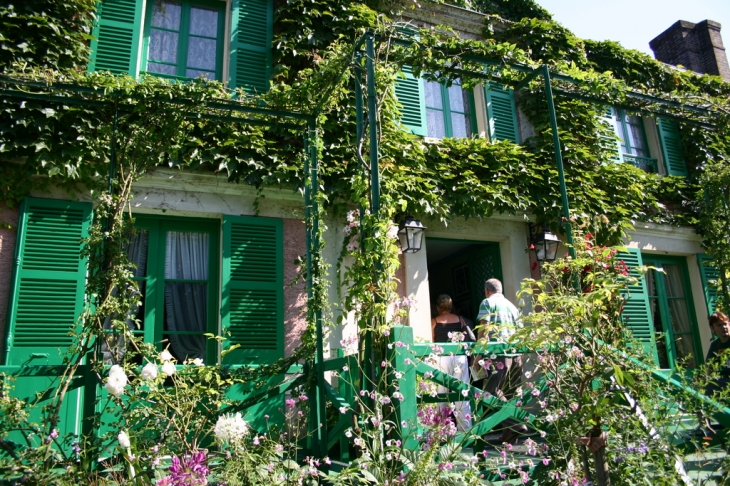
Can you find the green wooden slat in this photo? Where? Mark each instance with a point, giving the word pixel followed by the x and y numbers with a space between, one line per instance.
pixel 636 314
pixel 501 113
pixel 253 289
pixel 252 24
pixel 117 34
pixel 47 293
pixel 710 275
pixel 411 95
pixel 671 142
pixel 609 118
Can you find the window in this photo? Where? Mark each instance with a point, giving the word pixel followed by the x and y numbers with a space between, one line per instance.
pixel 430 109
pixel 659 309
pixel 672 312
pixel 185 38
pixel 177 274
pixel 633 146
pixel 630 129
pixel 448 110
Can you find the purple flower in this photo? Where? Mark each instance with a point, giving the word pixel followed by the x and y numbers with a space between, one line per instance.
pixel 189 471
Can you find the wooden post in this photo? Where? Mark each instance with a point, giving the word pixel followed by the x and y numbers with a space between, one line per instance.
pixel 401 338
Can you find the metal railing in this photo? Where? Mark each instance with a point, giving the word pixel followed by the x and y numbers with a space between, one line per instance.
pixel 645 163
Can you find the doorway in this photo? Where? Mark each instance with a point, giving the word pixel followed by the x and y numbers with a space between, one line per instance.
pixel 459 268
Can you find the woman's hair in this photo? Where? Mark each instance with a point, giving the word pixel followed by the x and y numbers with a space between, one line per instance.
pixel 443 303
pixel 716 318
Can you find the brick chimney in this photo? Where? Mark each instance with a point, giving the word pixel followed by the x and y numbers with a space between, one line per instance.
pixel 694 46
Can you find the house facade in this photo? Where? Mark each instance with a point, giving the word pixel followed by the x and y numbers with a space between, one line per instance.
pixel 214 257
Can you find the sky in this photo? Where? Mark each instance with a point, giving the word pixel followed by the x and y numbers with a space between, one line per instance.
pixel 633 23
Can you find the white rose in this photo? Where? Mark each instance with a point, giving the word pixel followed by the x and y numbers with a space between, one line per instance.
pixel 197 362
pixel 165 356
pixel 116 381
pixel 149 372
pixel 168 368
pixel 123 439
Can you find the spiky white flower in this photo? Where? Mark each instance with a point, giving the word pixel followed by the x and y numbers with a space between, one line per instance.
pixel 230 428
pixel 149 372
pixel 116 381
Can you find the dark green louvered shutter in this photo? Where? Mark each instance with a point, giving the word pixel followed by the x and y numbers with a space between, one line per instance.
pixel 501 113
pixel 252 24
pixel 671 142
pixel 252 306
pixel 47 292
pixel 710 275
pixel 637 313
pixel 411 95
pixel 117 35
pixel 609 118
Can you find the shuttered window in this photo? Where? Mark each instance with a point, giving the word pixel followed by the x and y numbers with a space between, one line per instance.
pixel 637 312
pixel 177 262
pixel 253 290
pixel 671 142
pixel 710 275
pixel 117 35
pixel 501 113
pixel 251 32
pixel 672 312
pixel 183 39
pixel 47 290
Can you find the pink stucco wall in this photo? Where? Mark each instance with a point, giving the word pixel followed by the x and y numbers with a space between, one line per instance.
pixel 295 298
pixel 7 250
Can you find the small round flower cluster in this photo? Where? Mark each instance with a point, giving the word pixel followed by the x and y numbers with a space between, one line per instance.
pixel 230 428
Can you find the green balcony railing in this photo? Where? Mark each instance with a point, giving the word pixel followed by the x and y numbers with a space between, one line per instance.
pixel 644 163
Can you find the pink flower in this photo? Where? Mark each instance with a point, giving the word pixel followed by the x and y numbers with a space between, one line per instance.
pixel 290 402
pixel 500 365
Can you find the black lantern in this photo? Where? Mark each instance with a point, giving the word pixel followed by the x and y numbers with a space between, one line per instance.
pixel 410 233
pixel 544 242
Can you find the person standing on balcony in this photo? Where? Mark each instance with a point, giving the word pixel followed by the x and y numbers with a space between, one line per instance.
pixel 498 320
pixel 447 327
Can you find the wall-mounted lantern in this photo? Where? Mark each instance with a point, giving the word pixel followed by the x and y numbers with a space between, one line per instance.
pixel 544 242
pixel 410 233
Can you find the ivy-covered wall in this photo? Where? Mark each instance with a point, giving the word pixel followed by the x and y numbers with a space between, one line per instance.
pixel 71 144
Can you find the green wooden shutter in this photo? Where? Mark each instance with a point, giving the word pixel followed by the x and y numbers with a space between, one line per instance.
pixel 411 95
pixel 253 289
pixel 117 35
pixel 671 142
pixel 710 275
pixel 609 118
pixel 637 313
pixel 501 113
pixel 47 290
pixel 252 25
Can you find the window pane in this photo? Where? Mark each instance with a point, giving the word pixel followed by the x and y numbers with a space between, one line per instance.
pixel 163 46
pixel 166 14
pixel 435 123
pixel 185 311
pixel 137 253
pixel 460 125
pixel 685 350
pixel 458 99
pixel 204 21
pixel 201 53
pixel 636 134
pixel 153 67
pixel 186 256
pixel 433 95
